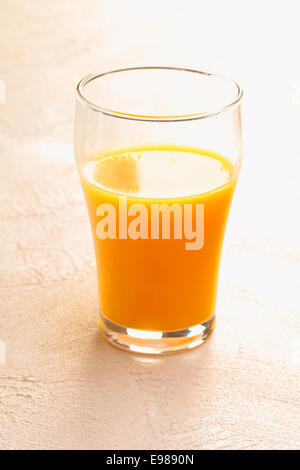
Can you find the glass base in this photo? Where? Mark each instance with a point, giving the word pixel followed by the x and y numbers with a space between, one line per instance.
pixel 156 342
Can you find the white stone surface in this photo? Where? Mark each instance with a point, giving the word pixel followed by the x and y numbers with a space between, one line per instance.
pixel 61 385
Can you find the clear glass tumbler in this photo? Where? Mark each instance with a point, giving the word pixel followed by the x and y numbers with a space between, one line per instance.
pixel 158 150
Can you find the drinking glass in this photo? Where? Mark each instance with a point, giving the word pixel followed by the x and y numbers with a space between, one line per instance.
pixel 158 150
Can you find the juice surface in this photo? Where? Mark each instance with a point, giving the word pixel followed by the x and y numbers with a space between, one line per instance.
pixel 157 284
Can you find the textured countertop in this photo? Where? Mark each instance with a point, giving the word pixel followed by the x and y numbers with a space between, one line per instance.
pixel 61 385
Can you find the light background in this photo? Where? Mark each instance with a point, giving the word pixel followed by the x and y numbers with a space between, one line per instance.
pixel 61 385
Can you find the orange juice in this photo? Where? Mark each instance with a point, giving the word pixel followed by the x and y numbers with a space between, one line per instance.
pixel 158 284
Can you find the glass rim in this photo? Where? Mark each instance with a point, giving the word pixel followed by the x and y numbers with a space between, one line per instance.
pixel 140 117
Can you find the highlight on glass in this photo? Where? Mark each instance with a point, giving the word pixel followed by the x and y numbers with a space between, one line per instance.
pixel 158 150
